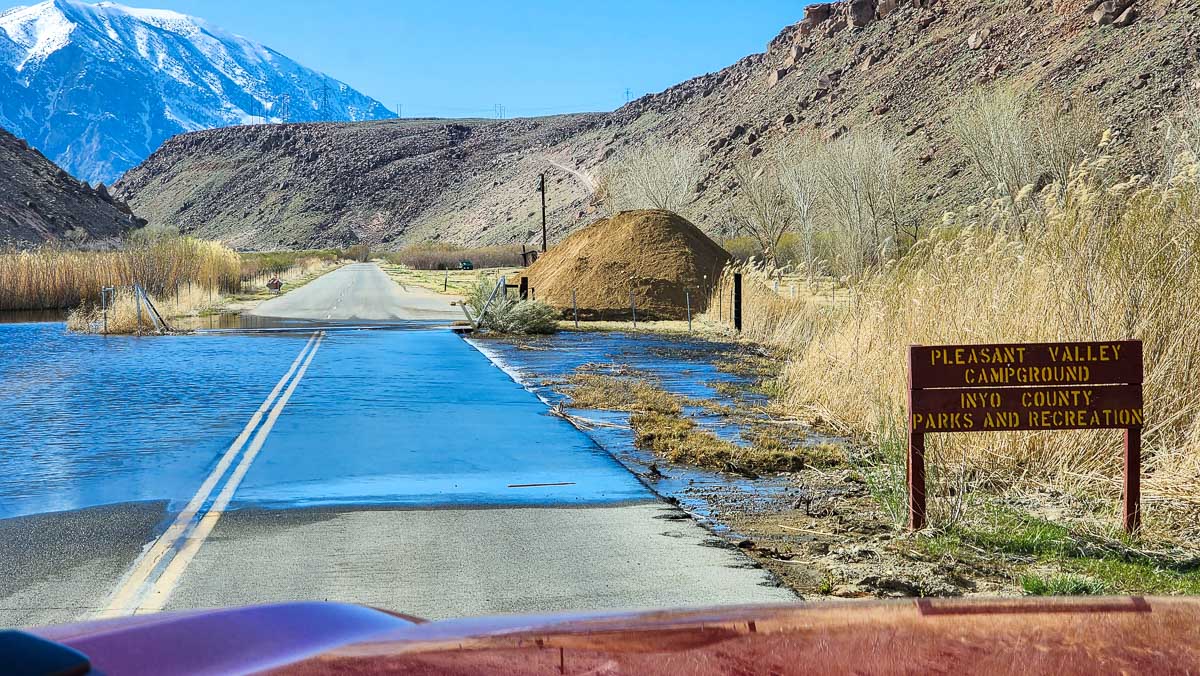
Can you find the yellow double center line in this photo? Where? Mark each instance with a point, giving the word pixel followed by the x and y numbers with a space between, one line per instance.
pixel 149 582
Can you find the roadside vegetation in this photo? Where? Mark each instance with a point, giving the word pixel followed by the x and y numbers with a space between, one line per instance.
pixel 444 256
pixel 843 271
pixel 454 282
pixel 498 311
pixel 1090 261
pixel 58 278
pixel 661 427
pixel 182 276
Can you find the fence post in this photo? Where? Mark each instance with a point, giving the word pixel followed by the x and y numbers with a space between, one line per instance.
pixel 687 297
pixel 446 281
pixel 575 308
pixel 633 309
pixel 523 289
pixel 106 299
pixel 138 298
pixel 737 301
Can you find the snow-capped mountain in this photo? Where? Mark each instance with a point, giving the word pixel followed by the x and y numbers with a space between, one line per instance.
pixel 98 87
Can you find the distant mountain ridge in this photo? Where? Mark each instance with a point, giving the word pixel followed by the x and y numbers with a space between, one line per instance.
pixel 98 87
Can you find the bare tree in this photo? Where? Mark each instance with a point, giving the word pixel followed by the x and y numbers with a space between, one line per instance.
pixel 864 200
pixel 652 176
pixel 763 208
pixel 1181 145
pixel 802 181
pixel 1014 141
pixel 1063 136
pixel 992 132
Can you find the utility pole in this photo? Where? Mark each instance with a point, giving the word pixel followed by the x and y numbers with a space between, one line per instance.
pixel 542 189
pixel 324 100
pixel 627 93
pixel 400 110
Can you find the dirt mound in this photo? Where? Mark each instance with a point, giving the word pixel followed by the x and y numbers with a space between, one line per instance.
pixel 656 255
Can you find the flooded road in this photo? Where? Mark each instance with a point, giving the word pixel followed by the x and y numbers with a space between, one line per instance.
pixel 91 420
pixel 399 468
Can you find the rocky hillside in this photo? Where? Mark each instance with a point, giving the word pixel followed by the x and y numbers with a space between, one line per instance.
pixel 40 203
pixel 901 66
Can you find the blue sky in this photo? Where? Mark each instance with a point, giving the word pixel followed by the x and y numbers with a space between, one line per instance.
pixel 536 57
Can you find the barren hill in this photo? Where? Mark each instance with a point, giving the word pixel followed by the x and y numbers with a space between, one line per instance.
pixel 899 66
pixel 40 203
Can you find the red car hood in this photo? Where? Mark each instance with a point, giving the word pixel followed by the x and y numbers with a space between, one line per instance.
pixel 1060 636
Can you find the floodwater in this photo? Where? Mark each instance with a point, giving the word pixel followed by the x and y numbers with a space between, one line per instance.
pixel 682 366
pixel 398 417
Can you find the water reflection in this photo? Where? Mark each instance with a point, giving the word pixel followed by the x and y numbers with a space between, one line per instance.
pixel 89 420
pixel 32 316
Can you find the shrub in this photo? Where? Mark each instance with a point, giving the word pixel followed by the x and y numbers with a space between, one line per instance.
pixel 507 315
pixel 358 252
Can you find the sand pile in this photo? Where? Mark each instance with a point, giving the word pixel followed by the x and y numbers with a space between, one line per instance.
pixel 655 254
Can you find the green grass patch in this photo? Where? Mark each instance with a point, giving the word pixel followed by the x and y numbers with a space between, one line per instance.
pixel 1080 563
pixel 1062 585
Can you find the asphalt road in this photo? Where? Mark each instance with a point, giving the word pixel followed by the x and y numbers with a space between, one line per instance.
pixel 400 469
pixel 358 292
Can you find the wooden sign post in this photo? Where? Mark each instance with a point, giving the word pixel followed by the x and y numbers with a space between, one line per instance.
pixel 1025 386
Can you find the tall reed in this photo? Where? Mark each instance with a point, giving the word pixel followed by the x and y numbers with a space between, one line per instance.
pixel 1109 260
pixel 54 278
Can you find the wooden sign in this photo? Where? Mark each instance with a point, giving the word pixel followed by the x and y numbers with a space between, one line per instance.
pixel 1025 386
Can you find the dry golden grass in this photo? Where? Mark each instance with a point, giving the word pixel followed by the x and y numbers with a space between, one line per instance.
pixel 52 278
pixel 1110 260
pixel 589 390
